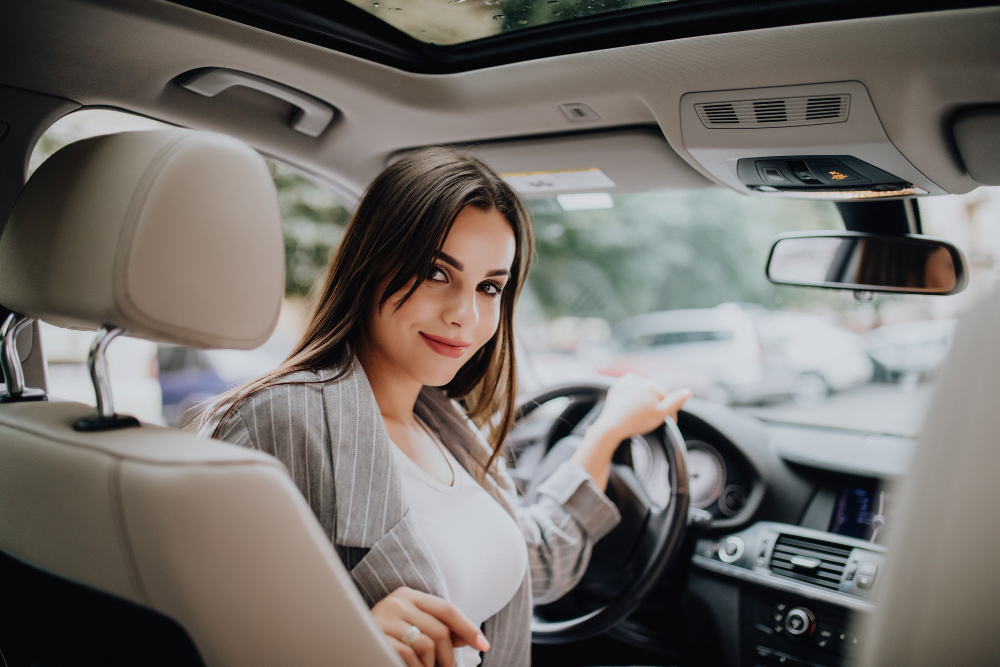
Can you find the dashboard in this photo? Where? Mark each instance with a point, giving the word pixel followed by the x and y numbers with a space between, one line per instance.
pixel 786 570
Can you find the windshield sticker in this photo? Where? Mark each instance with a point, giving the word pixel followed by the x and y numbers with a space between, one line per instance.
pixel 532 182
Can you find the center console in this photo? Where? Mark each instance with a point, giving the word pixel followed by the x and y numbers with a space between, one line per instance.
pixel 783 629
pixel 806 591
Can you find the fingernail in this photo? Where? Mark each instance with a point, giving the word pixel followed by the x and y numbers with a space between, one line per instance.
pixel 483 644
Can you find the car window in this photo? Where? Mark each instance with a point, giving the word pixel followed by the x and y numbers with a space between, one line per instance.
pixel 161 383
pixel 633 287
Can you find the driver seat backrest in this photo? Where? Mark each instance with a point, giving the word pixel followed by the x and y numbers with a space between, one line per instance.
pixel 939 600
pixel 174 236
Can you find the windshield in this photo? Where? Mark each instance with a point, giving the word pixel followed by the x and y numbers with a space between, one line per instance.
pixel 671 285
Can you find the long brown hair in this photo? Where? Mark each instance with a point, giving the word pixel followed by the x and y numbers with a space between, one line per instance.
pixel 400 224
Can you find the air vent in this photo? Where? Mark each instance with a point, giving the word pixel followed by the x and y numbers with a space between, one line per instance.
pixel 813 561
pixel 718 114
pixel 779 112
pixel 770 111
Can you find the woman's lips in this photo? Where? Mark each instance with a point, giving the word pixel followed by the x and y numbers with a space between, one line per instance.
pixel 445 346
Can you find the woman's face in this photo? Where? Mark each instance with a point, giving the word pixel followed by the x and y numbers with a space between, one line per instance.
pixel 456 309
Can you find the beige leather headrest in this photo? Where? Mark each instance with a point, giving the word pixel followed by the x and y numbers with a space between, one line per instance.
pixel 173 235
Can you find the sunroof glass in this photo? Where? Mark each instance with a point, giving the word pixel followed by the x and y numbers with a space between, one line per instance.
pixel 455 21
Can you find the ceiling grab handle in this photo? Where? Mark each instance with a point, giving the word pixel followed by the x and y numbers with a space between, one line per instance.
pixel 311 117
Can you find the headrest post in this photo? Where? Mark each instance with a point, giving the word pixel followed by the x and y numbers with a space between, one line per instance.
pixel 97 362
pixel 13 375
pixel 105 419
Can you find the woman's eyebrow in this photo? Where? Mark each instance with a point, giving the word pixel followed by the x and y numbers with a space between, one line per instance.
pixel 461 267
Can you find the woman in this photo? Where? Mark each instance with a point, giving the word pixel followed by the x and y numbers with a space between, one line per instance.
pixel 378 410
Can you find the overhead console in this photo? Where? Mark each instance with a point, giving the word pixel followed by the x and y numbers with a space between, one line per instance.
pixel 821 141
pixel 839 176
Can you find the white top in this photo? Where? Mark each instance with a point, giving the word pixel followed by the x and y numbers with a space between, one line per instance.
pixel 478 545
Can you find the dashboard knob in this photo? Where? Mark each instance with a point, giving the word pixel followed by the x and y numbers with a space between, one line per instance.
pixel 799 621
pixel 732 549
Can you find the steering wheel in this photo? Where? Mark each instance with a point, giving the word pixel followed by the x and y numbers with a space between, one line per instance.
pixel 628 561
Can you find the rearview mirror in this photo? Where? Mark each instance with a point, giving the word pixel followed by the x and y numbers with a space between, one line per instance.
pixel 870 262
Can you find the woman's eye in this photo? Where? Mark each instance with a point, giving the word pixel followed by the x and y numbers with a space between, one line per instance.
pixel 491 289
pixel 435 274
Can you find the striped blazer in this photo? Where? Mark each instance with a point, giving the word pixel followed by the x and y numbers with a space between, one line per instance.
pixel 329 434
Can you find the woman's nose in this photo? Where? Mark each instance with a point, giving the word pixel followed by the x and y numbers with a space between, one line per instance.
pixel 461 309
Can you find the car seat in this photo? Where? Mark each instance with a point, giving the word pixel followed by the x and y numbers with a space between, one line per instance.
pixel 128 543
pixel 940 600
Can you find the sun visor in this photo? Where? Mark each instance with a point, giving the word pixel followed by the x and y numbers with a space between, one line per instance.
pixel 821 141
pixel 977 135
pixel 631 160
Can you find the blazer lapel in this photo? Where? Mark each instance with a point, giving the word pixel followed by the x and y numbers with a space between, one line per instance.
pixel 368 492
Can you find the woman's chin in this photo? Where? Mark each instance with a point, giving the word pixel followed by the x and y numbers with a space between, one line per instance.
pixel 438 376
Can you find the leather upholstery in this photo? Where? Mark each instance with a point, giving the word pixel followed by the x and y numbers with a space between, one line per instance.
pixel 938 602
pixel 215 536
pixel 173 235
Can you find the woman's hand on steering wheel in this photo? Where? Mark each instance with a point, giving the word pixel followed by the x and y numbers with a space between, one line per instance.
pixel 443 628
pixel 634 405
pixel 637 405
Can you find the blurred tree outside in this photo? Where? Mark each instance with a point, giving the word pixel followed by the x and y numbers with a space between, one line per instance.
pixel 314 223
pixel 666 250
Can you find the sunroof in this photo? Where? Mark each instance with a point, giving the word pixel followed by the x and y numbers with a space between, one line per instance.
pixel 448 22
pixel 445 36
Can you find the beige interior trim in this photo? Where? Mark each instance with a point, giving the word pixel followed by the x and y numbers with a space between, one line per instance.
pixel 173 235
pixel 937 603
pixel 977 133
pixel 215 536
pixel 918 69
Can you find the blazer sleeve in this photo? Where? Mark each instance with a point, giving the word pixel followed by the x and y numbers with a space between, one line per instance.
pixel 561 527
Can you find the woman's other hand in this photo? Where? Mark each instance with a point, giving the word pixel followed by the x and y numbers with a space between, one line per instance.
pixel 634 405
pixel 442 627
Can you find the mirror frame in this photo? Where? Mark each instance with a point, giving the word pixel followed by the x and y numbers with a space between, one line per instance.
pixel 957 258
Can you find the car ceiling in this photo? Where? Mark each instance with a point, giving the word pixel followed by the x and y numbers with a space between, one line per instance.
pixel 919 69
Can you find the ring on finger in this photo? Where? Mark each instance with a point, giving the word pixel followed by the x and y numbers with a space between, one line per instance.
pixel 411 635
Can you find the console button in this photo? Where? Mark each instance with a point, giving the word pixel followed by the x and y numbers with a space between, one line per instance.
pixel 773 171
pixel 834 172
pixel 800 621
pixel 871 569
pixel 865 581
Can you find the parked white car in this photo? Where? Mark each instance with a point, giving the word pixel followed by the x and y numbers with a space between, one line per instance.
pixel 913 349
pixel 737 353
pixel 826 356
